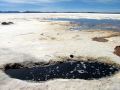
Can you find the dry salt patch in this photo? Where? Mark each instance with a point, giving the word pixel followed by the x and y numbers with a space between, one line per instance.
pixel 70 69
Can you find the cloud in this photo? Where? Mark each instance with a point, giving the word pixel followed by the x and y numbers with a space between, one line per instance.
pixel 53 1
pixel 34 1
pixel 100 1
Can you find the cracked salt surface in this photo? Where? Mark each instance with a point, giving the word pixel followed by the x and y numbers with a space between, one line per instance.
pixel 87 70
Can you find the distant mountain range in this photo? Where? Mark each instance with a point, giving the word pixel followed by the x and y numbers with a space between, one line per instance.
pixel 55 12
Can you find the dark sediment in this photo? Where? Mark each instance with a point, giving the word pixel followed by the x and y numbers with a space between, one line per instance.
pixel 7 23
pixel 42 71
pixel 99 39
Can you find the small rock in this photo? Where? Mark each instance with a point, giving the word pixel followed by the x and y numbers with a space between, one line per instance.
pixel 7 23
pixel 71 56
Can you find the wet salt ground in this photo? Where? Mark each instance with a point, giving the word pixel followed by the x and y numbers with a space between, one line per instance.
pixel 62 70
pixel 103 24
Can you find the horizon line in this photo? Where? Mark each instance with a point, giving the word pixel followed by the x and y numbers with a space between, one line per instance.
pixel 30 11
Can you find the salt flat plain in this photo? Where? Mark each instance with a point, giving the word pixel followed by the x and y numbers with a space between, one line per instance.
pixel 34 38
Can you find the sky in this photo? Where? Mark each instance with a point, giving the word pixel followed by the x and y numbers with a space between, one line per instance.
pixel 61 5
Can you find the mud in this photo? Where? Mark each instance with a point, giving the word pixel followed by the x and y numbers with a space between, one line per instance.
pixel 70 69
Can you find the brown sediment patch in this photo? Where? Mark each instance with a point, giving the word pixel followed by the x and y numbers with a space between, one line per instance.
pixel 104 38
pixel 117 50
pixel 99 39
pixel 117 34
pixel 100 31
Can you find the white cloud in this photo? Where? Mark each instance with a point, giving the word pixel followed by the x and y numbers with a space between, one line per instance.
pixel 53 1
pixel 33 1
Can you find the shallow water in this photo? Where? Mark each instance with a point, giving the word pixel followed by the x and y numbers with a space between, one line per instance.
pixel 103 24
pixel 65 70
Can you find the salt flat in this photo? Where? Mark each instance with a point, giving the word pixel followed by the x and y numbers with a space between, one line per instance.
pixel 34 38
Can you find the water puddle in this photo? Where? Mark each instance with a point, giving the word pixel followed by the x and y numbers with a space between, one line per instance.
pixel 103 24
pixel 87 70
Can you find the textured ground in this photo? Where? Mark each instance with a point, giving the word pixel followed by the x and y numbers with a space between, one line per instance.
pixel 32 38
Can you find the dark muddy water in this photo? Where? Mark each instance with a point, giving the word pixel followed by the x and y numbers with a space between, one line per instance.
pixel 62 70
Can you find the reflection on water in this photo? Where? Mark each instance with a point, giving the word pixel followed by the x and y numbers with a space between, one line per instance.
pixel 103 24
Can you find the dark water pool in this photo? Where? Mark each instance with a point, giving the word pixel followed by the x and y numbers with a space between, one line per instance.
pixel 65 70
pixel 103 24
